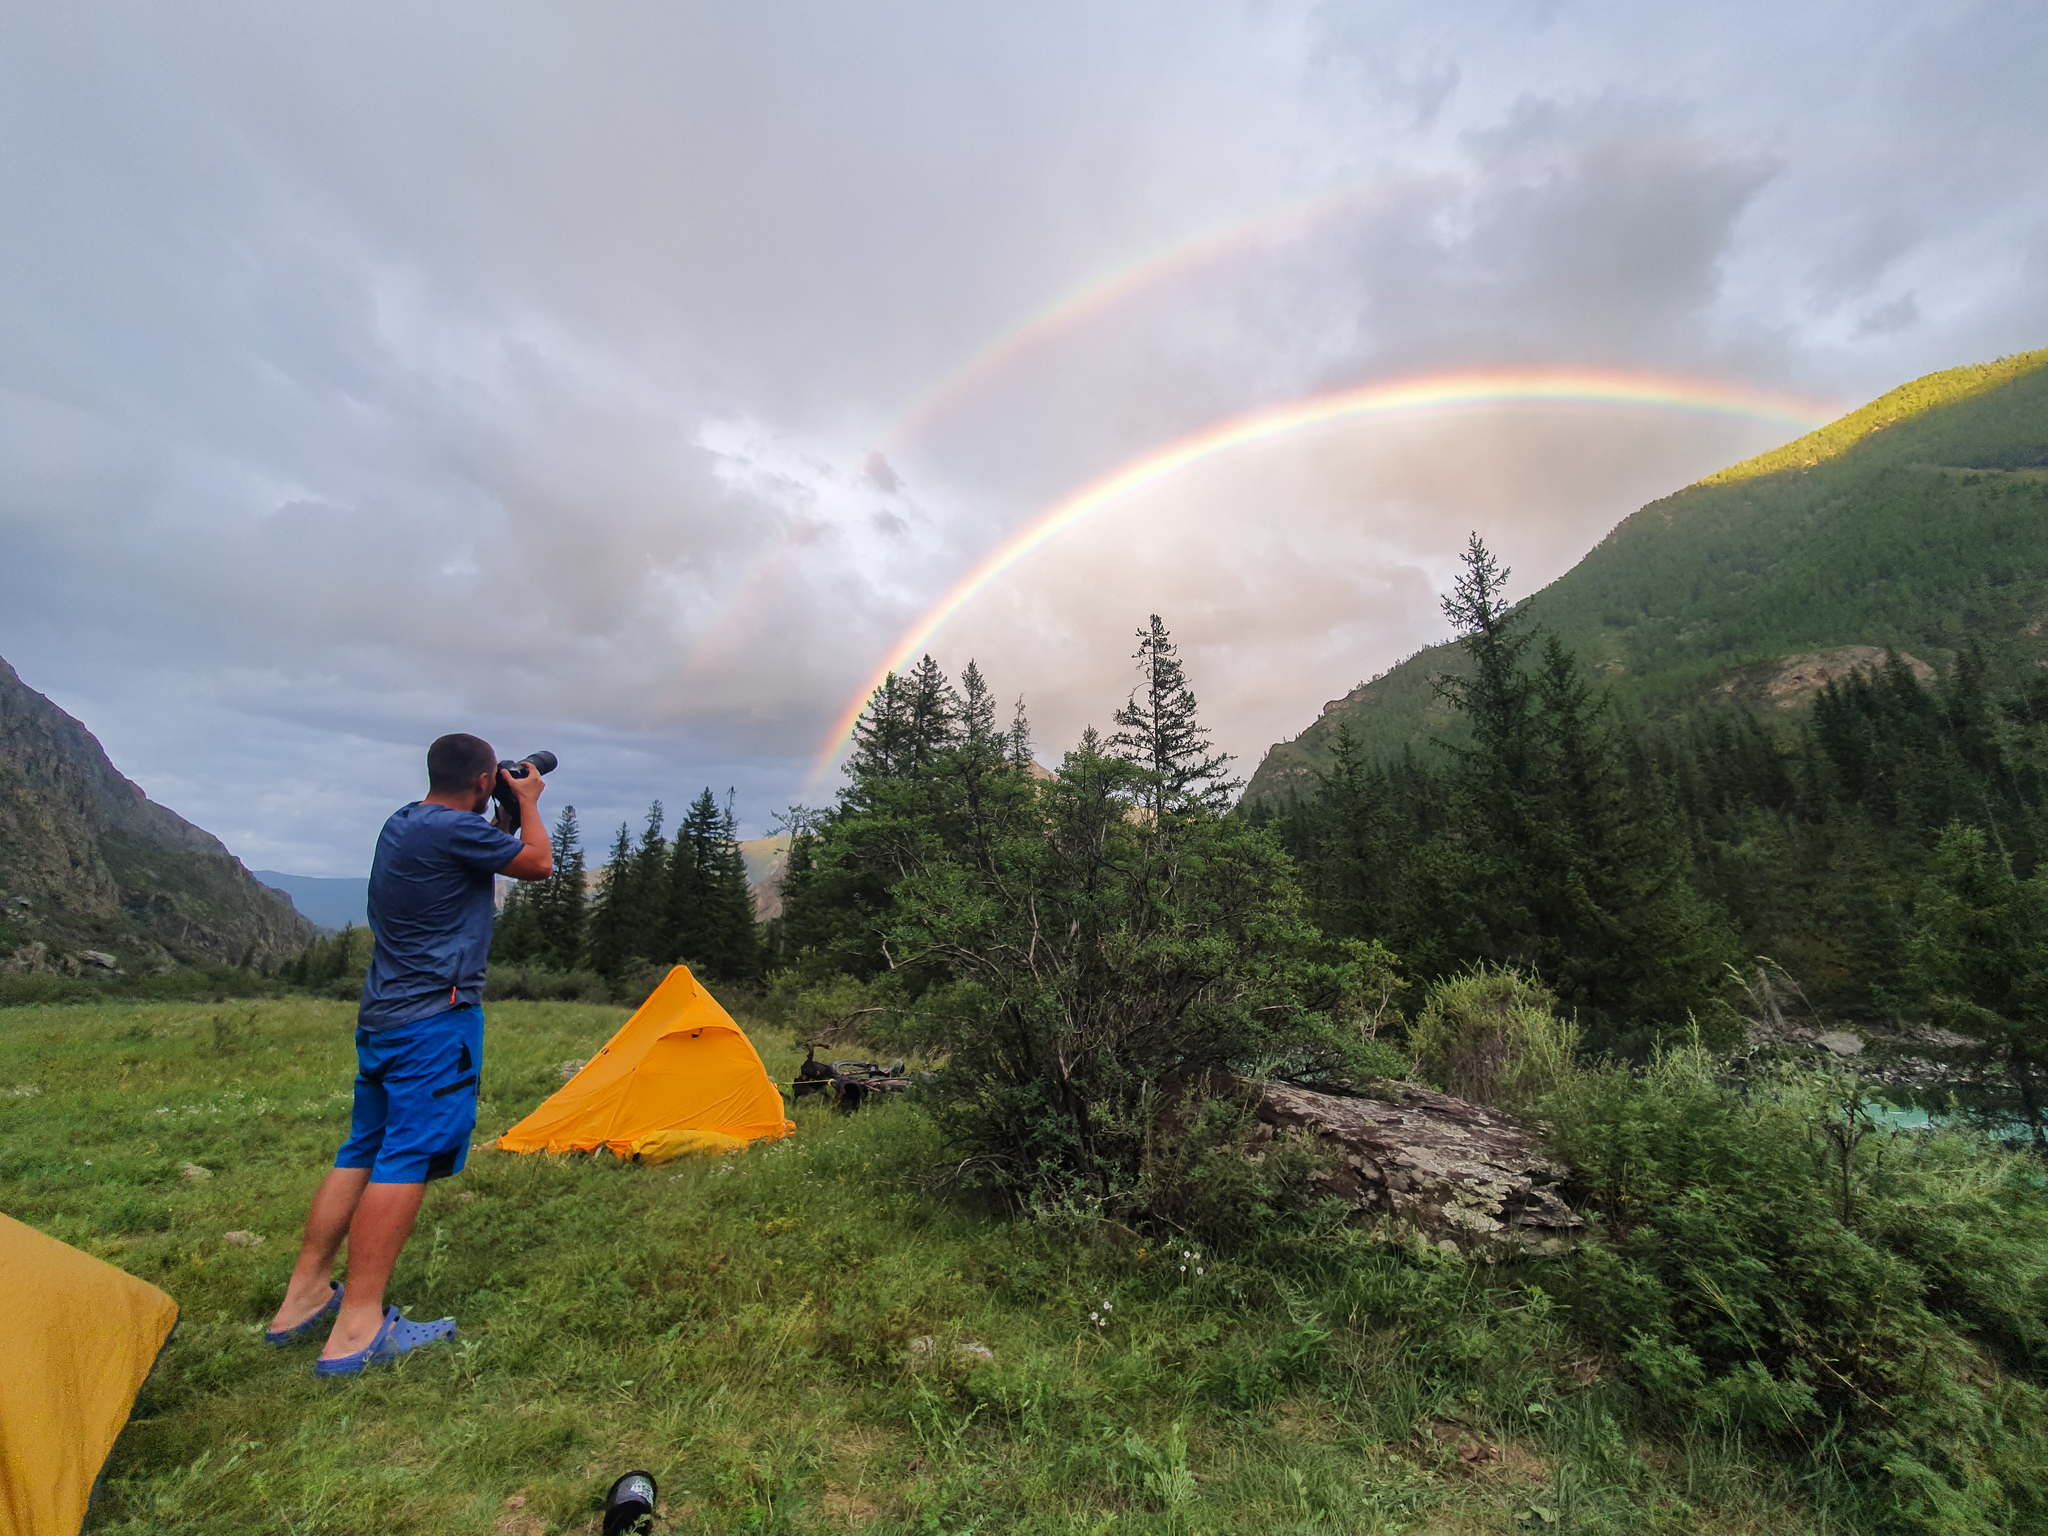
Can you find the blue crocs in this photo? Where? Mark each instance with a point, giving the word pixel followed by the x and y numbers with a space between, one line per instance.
pixel 283 1336
pixel 395 1338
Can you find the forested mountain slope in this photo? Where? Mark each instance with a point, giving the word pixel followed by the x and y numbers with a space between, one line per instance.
pixel 1918 522
pixel 89 863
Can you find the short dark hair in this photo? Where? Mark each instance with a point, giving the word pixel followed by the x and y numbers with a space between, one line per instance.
pixel 453 762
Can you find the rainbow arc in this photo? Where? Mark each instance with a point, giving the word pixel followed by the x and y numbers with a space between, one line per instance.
pixel 1534 388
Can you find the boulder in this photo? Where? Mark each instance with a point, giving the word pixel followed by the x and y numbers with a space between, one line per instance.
pixel 1472 1177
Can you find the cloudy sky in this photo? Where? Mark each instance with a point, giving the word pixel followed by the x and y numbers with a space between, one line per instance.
pixel 629 379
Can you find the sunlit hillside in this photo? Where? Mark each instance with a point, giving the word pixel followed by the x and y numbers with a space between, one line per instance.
pixel 1919 521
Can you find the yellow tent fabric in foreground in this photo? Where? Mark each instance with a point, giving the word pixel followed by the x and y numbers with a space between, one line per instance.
pixel 77 1338
pixel 678 1077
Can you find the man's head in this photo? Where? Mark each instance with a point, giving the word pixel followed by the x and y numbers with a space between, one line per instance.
pixel 461 766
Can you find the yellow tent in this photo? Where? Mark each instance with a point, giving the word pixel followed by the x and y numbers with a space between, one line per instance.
pixel 679 1076
pixel 77 1337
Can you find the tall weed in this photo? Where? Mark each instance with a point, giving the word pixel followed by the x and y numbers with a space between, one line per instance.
pixel 1491 1035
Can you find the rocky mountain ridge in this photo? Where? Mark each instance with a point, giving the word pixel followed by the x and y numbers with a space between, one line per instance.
pixel 94 874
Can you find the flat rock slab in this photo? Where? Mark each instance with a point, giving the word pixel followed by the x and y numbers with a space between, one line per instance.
pixel 1466 1175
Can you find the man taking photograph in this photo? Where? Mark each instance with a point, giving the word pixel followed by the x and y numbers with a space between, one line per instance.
pixel 419 1049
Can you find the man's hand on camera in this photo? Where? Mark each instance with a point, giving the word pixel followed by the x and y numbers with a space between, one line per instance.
pixel 536 860
pixel 525 790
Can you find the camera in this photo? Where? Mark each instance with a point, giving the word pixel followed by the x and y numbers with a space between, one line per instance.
pixel 542 763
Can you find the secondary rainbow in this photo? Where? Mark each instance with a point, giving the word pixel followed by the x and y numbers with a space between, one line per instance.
pixel 1536 387
pixel 1105 290
pixel 1070 310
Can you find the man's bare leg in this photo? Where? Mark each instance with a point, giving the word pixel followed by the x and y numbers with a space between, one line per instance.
pixel 383 1221
pixel 327 1221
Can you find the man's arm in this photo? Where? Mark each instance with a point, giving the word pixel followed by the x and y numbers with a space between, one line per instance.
pixel 536 859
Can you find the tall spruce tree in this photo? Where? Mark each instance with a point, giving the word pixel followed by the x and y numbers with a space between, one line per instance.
pixel 559 901
pixel 516 937
pixel 614 920
pixel 880 734
pixel 711 908
pixel 693 865
pixel 1019 742
pixel 1159 729
pixel 977 713
pixel 648 886
pixel 1981 960
pixel 931 716
pixel 735 936
pixel 1569 859
pixel 1497 696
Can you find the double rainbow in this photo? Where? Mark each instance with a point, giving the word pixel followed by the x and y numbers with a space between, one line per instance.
pixel 1574 388
pixel 1069 311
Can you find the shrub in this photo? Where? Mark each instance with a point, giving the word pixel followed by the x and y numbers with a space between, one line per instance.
pixel 538 984
pixel 1085 955
pixel 837 1009
pixel 1779 1266
pixel 1213 1172
pixel 1490 1036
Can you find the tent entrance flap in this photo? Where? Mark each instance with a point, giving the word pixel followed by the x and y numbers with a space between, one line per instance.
pixel 679 1075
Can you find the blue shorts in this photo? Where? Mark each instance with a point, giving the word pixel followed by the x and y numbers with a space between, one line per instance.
pixel 415 1098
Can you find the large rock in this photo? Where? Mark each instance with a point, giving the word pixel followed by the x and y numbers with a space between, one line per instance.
pixel 1466 1175
pixel 87 858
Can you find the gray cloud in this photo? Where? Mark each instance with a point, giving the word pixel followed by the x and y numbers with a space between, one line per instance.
pixel 367 371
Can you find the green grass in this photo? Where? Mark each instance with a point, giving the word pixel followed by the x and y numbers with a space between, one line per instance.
pixel 747 1329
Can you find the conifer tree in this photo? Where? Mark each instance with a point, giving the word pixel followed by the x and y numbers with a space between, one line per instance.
pixel 711 904
pixel 1020 736
pixel 1497 697
pixel 516 937
pixel 648 889
pixel 559 901
pixel 736 940
pixel 1981 959
pixel 613 919
pixel 879 736
pixel 1159 730
pixel 1566 860
pixel 693 868
pixel 931 717
pixel 977 712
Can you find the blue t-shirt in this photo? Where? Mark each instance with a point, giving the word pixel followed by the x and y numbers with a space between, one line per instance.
pixel 431 911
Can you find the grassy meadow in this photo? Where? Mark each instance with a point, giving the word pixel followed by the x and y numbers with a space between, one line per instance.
pixel 809 1337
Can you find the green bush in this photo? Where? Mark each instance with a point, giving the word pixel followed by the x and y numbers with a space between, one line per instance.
pixel 1490 1036
pixel 217 983
pixel 1780 1267
pixel 1214 1173
pixel 538 984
